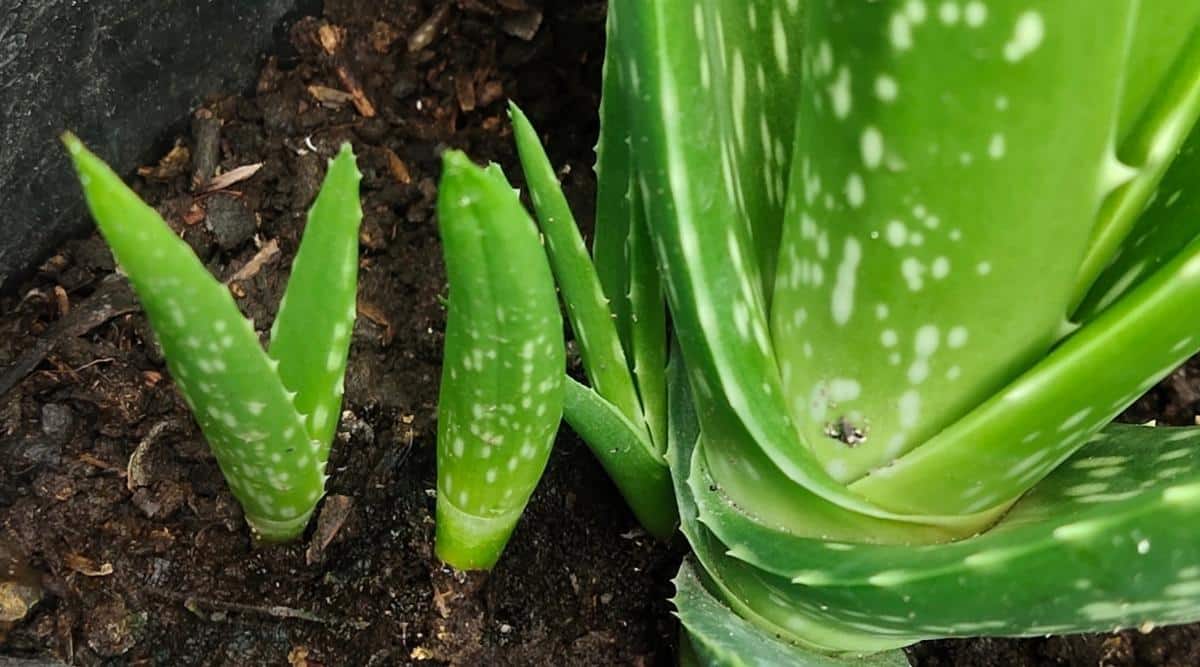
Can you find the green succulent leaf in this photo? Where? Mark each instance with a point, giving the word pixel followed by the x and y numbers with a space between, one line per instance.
pixel 274 466
pixel 502 380
pixel 311 335
pixel 934 170
pixel 1121 500
pixel 634 460
pixel 1027 429
pixel 587 308
pixel 637 469
pixel 684 146
pixel 648 328
pixel 769 601
pixel 1170 222
pixel 718 638
pixel 1161 104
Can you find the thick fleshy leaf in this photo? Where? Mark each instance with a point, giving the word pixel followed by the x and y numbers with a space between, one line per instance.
pixel 1170 222
pixel 1097 545
pixel 587 308
pixel 764 599
pixel 311 335
pixel 935 167
pixel 711 271
pixel 648 327
pixel 615 182
pixel 719 638
pixel 1027 429
pixel 621 446
pixel 1060 561
pixel 502 374
pixel 604 417
pixel 274 468
pixel 1163 88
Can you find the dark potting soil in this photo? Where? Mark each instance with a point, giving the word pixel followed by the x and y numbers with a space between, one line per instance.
pixel 118 530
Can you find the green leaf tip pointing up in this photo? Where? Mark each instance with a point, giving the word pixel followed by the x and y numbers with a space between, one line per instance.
pixel 502 375
pixel 622 417
pixel 268 418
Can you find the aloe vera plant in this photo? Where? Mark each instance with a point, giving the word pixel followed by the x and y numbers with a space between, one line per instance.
pixel 917 256
pixel 501 396
pixel 268 415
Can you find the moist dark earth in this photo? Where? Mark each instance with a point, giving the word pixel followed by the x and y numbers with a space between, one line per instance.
pixel 120 542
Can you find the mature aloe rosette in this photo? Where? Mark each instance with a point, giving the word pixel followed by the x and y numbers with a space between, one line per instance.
pixel 917 255
pixel 501 398
pixel 269 416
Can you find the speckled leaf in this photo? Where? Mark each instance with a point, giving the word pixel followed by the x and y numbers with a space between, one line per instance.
pixel 935 169
pixel 1022 432
pixel 719 638
pixel 311 335
pixel 1060 561
pixel 769 601
pixel 621 446
pixel 636 464
pixel 1170 222
pixel 502 376
pixel 1097 545
pixel 705 246
pixel 587 308
pixel 1161 103
pixel 215 358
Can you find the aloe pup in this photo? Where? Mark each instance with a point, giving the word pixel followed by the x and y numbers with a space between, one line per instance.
pixel 502 371
pixel 269 415
pixel 917 256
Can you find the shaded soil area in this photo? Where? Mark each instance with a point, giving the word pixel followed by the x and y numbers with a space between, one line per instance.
pixel 120 542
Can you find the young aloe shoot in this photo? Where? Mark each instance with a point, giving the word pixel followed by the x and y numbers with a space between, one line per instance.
pixel 268 416
pixel 622 416
pixel 502 379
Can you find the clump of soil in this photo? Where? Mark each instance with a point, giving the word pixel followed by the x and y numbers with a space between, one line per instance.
pixel 118 531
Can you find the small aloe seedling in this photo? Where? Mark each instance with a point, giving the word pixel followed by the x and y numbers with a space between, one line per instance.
pixel 268 416
pixel 502 379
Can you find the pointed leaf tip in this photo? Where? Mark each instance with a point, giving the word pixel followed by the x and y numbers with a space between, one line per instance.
pixel 72 142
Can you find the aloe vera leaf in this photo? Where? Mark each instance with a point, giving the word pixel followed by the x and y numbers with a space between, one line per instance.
pixel 933 171
pixel 610 419
pixel 710 270
pixel 614 183
pixel 766 600
pixel 1170 222
pixel 214 356
pixel 1072 540
pixel 648 328
pixel 1152 142
pixel 1162 32
pixel 637 469
pixel 311 335
pixel 719 638
pixel 587 308
pixel 1016 437
pixel 764 532
pixel 751 50
pixel 1093 477
pixel 502 375
pixel 1100 544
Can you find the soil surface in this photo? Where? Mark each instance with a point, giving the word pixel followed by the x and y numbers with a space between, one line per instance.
pixel 120 542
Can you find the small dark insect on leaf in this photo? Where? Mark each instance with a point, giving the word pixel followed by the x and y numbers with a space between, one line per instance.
pixel 846 432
